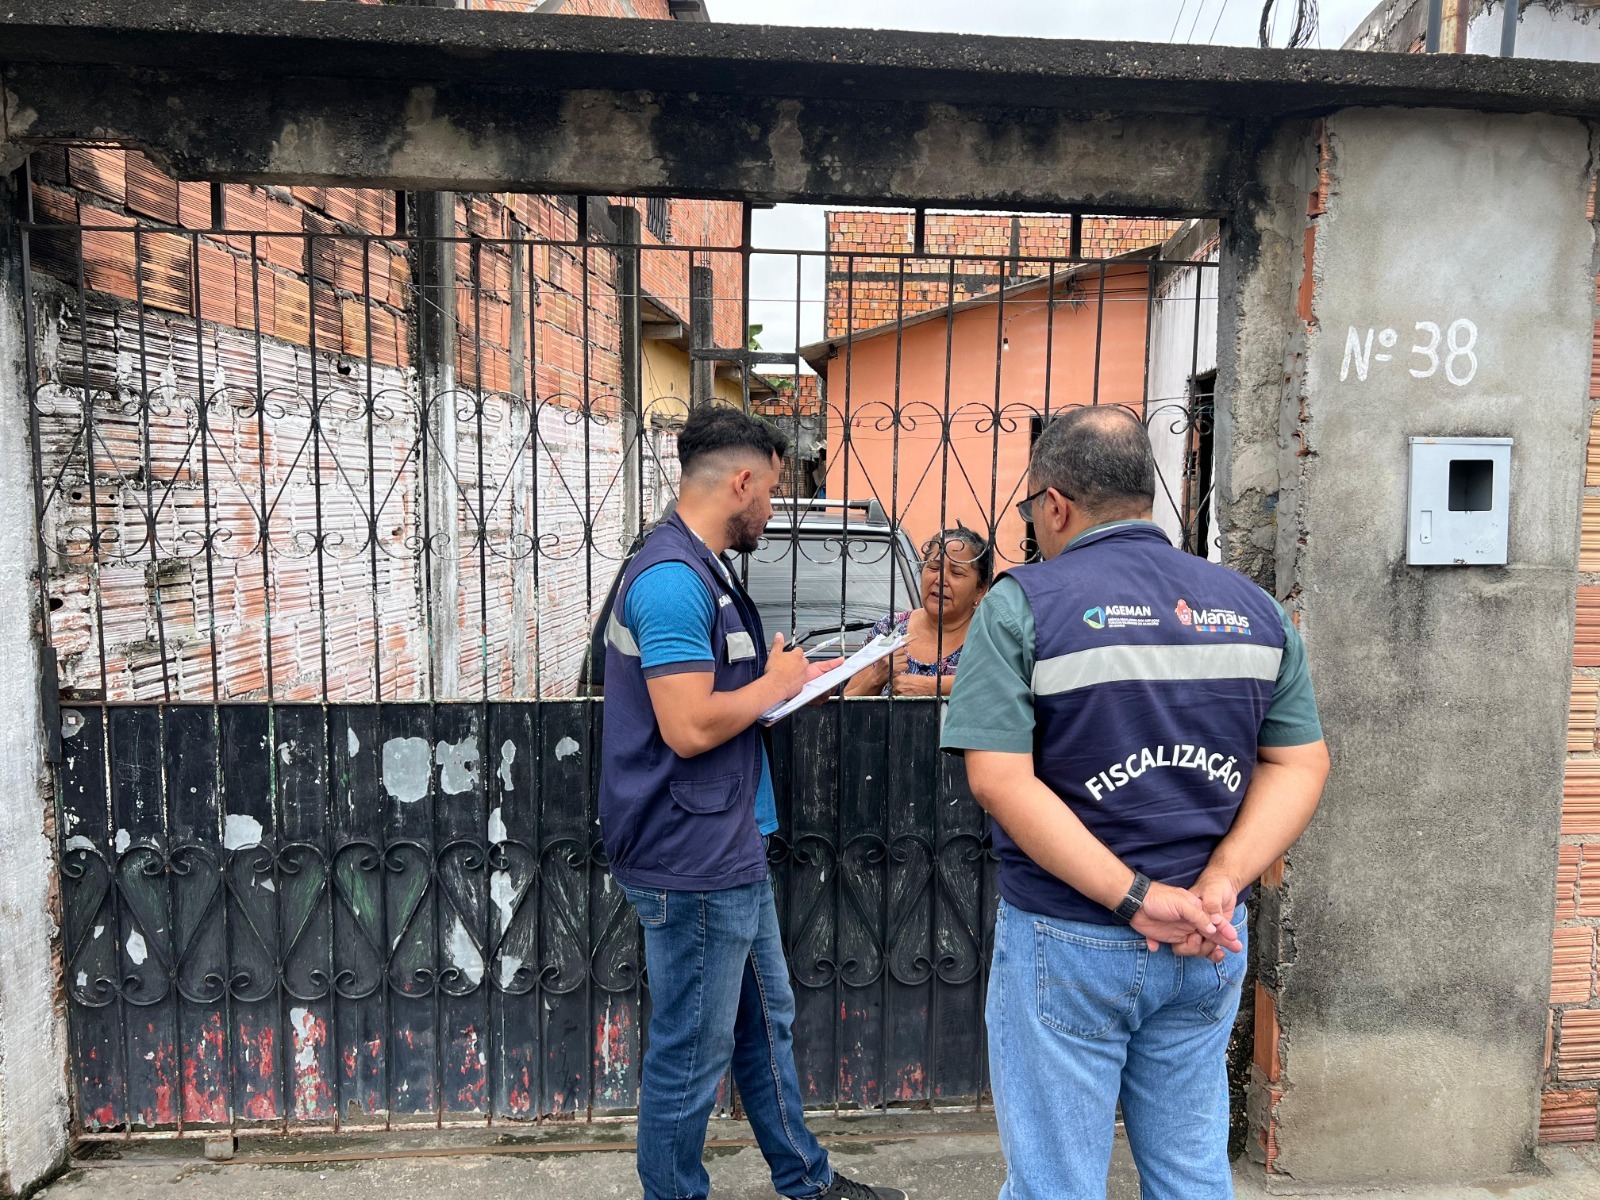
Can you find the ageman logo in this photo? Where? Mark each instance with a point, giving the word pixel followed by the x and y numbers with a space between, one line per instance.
pixel 1119 616
pixel 1213 620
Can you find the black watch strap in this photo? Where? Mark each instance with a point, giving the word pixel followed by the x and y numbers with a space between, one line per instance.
pixel 1134 900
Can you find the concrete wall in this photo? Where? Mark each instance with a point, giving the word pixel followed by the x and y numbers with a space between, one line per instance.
pixel 33 1099
pixel 1411 937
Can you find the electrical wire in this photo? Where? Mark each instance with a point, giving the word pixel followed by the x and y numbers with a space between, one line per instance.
pixel 1218 23
pixel 1179 20
pixel 1301 33
pixel 1198 13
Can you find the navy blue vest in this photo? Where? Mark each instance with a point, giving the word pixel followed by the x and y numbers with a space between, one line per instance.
pixel 1154 671
pixel 682 824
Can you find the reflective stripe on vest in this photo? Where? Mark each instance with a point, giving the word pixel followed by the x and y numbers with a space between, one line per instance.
pixel 620 636
pixel 1128 663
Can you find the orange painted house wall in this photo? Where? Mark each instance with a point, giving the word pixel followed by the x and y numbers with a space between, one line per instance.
pixel 886 409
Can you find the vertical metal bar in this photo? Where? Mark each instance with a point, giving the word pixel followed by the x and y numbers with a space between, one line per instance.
pixel 482 521
pixel 588 589
pixel 1099 330
pixel 533 471
pixel 435 885
pixel 145 464
pixel 426 364
pixel 993 515
pixel 517 408
pixel 886 976
pixel 919 232
pixel 894 436
pixel 746 225
pixel 1435 20
pixel 949 370
pixel 1508 27
pixel 81 295
pixel 261 467
pixel 794 526
pixel 1075 236
pixel 31 368
pixel 1049 342
pixel 839 709
pixel 367 301
pixel 629 240
pixel 203 433
pixel 588 415
pixel 1149 320
pixel 316 464
pixel 1189 530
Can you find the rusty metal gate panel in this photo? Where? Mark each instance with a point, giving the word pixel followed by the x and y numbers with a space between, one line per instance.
pixel 365 915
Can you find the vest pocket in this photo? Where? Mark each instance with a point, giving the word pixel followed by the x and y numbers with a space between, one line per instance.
pixel 706 796
pixel 705 832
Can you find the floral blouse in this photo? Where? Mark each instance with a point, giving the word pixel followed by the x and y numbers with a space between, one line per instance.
pixel 898 624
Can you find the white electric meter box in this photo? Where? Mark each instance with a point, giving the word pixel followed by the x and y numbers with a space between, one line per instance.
pixel 1460 502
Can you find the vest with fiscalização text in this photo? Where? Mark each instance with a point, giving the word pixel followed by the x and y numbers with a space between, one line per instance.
pixel 1154 670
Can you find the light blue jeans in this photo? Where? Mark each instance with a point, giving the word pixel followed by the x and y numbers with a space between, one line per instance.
pixel 1081 1015
pixel 720 998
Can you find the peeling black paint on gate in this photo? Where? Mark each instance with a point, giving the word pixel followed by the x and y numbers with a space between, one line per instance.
pixel 374 914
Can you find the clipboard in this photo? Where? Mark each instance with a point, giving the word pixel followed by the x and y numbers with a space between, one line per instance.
pixel 878 649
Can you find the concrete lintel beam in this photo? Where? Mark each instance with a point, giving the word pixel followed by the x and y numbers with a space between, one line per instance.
pixel 381 133
pixel 252 39
pixel 662 331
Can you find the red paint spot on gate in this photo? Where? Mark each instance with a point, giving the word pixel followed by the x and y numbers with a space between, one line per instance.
pixel 204 1099
pixel 312 1095
pixel 260 1102
pixel 912 1082
pixel 613 1052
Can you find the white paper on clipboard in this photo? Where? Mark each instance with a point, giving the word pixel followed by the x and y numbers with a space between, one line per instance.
pixel 876 650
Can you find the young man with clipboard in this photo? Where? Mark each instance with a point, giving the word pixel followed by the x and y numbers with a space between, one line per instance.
pixel 686 802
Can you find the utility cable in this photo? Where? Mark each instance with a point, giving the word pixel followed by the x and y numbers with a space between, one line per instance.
pixel 1217 24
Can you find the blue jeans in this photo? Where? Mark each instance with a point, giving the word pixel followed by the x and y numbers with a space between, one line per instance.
pixel 720 996
pixel 1080 1015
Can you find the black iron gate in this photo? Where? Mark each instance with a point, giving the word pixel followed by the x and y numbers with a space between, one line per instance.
pixel 329 504
pixel 371 914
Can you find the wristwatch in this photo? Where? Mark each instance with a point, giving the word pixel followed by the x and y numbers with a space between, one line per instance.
pixel 1134 900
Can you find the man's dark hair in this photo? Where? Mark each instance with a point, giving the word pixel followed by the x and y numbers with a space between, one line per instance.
pixel 1099 458
pixel 714 431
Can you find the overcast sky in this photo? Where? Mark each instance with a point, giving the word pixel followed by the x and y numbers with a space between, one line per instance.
pixel 1221 22
pixel 791 226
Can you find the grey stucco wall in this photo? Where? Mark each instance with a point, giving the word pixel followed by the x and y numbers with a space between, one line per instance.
pixel 1416 919
pixel 1260 345
pixel 33 1098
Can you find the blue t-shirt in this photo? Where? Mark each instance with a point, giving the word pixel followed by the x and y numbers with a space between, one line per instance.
pixel 670 614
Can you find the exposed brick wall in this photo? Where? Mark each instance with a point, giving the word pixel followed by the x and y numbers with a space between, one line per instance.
pixel 1572 1050
pixel 219 305
pixel 798 395
pixel 1271 1066
pixel 865 289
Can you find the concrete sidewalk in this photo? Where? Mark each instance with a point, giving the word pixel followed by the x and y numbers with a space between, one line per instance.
pixel 934 1156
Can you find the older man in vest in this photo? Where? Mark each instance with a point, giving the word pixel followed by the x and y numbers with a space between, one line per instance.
pixel 686 800
pixel 1140 724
